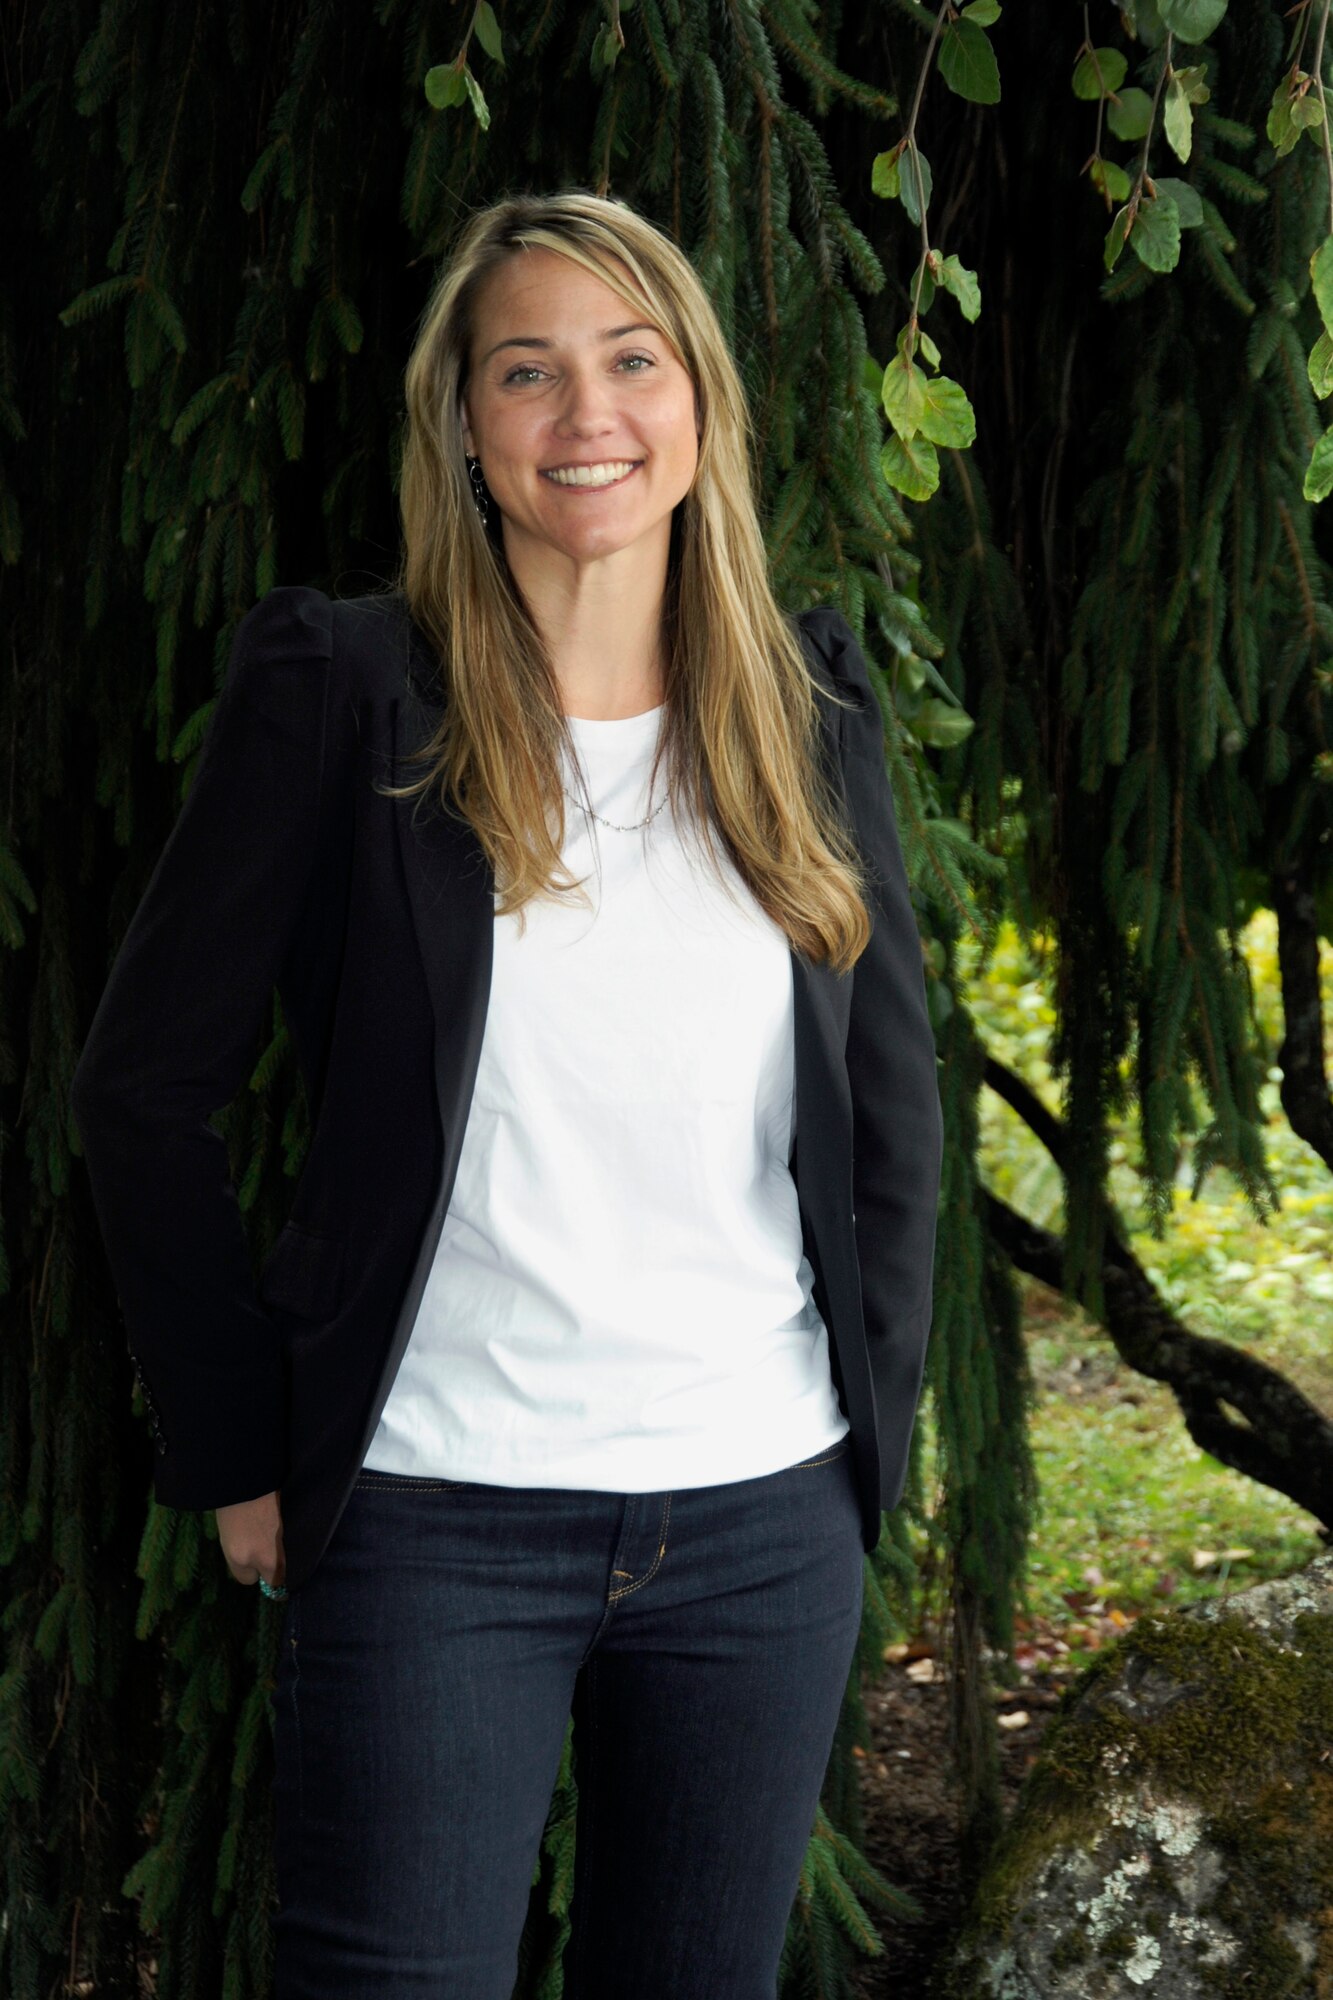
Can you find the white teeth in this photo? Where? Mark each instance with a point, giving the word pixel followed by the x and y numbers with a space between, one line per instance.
pixel 592 475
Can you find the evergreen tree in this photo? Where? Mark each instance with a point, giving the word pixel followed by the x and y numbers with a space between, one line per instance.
pixel 1139 624
pixel 230 233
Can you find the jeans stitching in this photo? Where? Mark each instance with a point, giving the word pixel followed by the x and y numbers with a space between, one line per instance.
pixel 648 1575
pixel 409 1479
pixel 836 1452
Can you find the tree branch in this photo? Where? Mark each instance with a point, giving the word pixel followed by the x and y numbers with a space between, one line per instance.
pixel 1236 1407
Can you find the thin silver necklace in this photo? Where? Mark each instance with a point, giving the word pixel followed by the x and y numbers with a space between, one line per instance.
pixel 590 814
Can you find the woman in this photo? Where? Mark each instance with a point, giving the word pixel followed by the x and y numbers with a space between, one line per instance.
pixel 565 1386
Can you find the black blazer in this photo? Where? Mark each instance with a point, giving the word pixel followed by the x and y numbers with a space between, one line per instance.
pixel 373 917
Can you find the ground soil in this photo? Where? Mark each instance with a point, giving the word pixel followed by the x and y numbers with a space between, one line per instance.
pixel 911 1812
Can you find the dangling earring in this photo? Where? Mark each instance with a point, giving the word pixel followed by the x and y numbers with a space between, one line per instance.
pixel 480 493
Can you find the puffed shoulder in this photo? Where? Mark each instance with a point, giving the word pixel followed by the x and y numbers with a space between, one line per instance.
pixel 279 670
pixel 838 647
pixel 290 622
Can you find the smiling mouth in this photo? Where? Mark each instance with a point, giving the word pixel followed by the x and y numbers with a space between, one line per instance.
pixel 592 478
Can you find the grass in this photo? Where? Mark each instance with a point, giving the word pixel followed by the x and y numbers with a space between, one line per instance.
pixel 1133 1514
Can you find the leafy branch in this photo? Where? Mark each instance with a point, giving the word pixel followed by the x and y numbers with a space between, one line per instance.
pixel 453 83
pixel 925 411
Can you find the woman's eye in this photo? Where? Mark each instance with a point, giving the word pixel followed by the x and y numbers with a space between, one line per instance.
pixel 525 370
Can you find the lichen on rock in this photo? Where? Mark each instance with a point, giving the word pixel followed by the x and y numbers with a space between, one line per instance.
pixel 1175 1836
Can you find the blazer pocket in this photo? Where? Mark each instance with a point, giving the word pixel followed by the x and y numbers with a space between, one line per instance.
pixel 304 1273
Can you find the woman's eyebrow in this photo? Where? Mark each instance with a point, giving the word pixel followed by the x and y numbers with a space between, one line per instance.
pixel 536 340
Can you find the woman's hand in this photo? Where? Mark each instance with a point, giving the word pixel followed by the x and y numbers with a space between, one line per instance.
pixel 250 1532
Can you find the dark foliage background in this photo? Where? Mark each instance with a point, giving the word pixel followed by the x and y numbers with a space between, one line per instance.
pixel 225 222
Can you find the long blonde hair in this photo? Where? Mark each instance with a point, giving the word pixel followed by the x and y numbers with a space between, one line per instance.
pixel 741 728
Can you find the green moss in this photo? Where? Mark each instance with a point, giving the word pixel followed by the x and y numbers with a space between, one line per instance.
pixel 1237 1727
pixel 1072 1949
pixel 1117 1945
pixel 1243 1704
pixel 1278 1849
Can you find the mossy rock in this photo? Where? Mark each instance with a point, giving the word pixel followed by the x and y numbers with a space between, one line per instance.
pixel 1175 1835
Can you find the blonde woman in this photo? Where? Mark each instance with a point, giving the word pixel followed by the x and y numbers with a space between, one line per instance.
pixel 582 1373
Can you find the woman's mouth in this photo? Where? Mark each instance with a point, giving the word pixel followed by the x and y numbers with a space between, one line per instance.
pixel 592 478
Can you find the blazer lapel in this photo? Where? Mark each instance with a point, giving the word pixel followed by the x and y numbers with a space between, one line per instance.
pixel 449 888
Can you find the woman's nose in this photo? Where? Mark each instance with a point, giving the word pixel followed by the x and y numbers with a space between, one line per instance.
pixel 585 402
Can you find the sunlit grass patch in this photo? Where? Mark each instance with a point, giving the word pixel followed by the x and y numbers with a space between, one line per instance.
pixel 1134 1514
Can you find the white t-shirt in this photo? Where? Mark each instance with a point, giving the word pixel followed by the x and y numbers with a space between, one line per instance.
pixel 619 1300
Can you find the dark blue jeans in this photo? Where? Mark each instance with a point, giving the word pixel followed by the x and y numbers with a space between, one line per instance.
pixel 702 1640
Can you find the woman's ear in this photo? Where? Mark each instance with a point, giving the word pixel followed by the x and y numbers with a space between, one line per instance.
pixel 467 427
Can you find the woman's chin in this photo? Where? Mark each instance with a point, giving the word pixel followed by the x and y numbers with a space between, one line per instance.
pixel 590 540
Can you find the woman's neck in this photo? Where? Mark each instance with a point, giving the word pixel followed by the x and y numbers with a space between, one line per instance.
pixel 602 626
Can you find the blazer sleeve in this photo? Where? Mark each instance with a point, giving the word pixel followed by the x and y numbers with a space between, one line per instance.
pixel 172 1040
pixel 897 1127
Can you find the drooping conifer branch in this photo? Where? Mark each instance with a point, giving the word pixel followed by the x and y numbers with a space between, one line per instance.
pixel 1305 1092
pixel 1234 1405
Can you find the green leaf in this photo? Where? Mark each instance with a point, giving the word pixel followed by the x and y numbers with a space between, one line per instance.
pixel 940 724
pixel 1129 113
pixel 984 12
pixel 1178 119
pixel 1281 127
pixel 946 417
pixel 1192 20
pixel 1156 234
pixel 911 466
pixel 1318 482
pixel 444 86
pixel 967 63
pixel 1098 72
pixel 479 104
pixel 1148 26
pixel 923 345
pixel 1321 277
pixel 1319 366
pixel 487 30
pixel 605 49
pixel 903 391
pixel 871 374
pixel 884 175
pixel 915 183
pixel 1111 179
pixel 1194 82
pixel 956 278
pixel 1115 238
pixel 1187 199
pixel 1307 110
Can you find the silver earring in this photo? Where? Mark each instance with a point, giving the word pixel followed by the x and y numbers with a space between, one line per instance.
pixel 480 493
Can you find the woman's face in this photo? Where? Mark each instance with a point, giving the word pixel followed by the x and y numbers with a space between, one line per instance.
pixel 585 422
